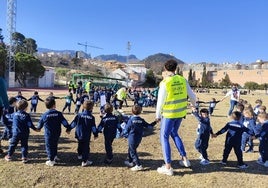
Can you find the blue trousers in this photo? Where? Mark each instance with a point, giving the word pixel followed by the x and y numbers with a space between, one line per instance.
pixel 83 149
pixel 263 149
pixel 201 145
pixel 170 127
pixel 108 141
pixel 246 139
pixel 23 138
pixel 33 107
pixel 232 105
pixel 237 149
pixel 133 144
pixel 51 147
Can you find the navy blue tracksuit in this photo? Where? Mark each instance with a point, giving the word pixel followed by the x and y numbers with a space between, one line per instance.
pixel 20 132
pixel 263 136
pixel 134 132
pixel 34 101
pixel 52 120
pixel 204 130
pixel 85 125
pixel 233 140
pixel 109 123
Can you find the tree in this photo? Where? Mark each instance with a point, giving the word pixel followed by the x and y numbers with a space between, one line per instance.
pixel 204 81
pixel 27 66
pixel 150 78
pixel 3 56
pixel 19 41
pixel 251 85
pixel 225 82
pixel 191 78
pixel 30 46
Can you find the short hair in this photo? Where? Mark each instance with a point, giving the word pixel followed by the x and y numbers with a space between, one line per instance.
pixel 108 108
pixel 249 111
pixel 258 101
pixel 50 102
pixel 171 65
pixel 262 108
pixel 240 107
pixel 236 115
pixel 88 105
pixel 263 115
pixel 136 109
pixel 11 100
pixel 22 104
pixel 204 110
pixel 36 92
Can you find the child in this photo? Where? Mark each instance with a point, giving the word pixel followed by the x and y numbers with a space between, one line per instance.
pixel 78 102
pixel 258 103
pixel 21 129
pixel 262 109
pixel 115 102
pixel 233 139
pixel 263 136
pixel 85 124
pixel 110 124
pixel 250 123
pixel 34 101
pixel 204 130
pixel 69 99
pixel 8 119
pixel 134 132
pixel 212 105
pixel 19 96
pixel 52 120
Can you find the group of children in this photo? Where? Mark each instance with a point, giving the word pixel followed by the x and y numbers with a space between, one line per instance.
pixel 247 123
pixel 84 124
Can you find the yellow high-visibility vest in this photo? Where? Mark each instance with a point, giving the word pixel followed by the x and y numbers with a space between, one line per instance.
pixel 175 104
pixel 121 94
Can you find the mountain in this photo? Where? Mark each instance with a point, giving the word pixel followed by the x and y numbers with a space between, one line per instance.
pixel 116 57
pixel 160 58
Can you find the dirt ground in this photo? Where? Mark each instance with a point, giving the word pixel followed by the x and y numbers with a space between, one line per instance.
pixel 69 173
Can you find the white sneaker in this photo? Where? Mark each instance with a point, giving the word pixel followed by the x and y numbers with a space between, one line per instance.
pixel 127 163
pixel 164 170
pixel 50 163
pixel 87 163
pixel 186 163
pixel 201 157
pixel 204 162
pixel 79 157
pixel 137 168
pixel 265 164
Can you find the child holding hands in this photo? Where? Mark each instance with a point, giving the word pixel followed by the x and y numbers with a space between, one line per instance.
pixel 21 130
pixel 134 132
pixel 233 139
pixel 85 125
pixel 204 130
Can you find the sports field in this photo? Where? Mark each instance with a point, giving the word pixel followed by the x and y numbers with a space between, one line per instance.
pixel 69 173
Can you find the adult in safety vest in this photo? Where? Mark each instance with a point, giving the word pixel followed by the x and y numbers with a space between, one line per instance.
pixel 170 110
pixel 121 96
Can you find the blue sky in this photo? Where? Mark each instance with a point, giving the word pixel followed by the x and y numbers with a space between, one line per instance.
pixel 192 30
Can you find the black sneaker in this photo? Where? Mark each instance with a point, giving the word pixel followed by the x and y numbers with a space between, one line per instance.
pixel 108 161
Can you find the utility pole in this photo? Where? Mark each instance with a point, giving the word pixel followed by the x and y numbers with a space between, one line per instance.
pixel 128 49
pixel 11 28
